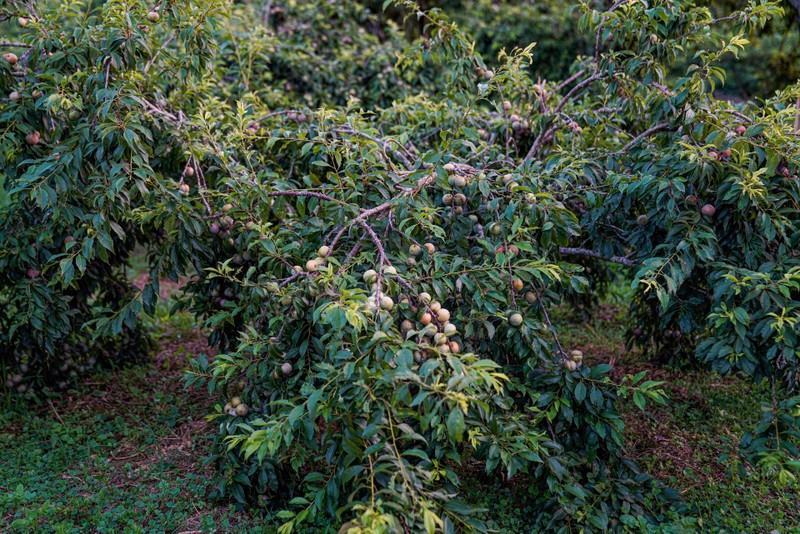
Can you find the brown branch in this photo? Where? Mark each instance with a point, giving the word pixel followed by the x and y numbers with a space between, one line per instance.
pixel 622 260
pixel 650 131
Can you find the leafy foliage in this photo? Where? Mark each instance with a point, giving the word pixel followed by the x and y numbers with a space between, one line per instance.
pixel 374 229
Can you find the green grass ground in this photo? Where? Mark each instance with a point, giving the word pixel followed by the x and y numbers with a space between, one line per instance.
pixel 125 452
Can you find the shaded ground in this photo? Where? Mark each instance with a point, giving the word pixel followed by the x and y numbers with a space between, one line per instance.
pixel 123 453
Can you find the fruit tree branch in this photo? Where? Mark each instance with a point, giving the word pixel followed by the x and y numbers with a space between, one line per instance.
pixel 622 260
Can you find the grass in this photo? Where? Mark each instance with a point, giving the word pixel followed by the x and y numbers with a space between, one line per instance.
pixel 126 451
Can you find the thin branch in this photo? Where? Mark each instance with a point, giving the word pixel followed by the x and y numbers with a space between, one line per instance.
pixel 622 260
pixel 650 131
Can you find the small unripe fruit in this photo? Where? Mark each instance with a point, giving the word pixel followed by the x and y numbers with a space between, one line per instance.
pixel 214 228
pixel 10 58
pixel 454 347
pixel 450 168
pixel 250 225
pixel 406 326
pixel 227 207
pixel 389 269
pixel 709 210
pixel 449 329
pixel 447 199
pixel 713 154
pixel 443 315
pixel 32 138
pixel 22 21
pixel 726 153
pixel 691 199
pixel 387 303
pixel 642 220
pixel 287 368
pixel 740 130
pixel 228 407
pixel 323 251
pixel 570 365
pixel 370 276
pixel 415 250
pixel 426 319
pixel 236 401
pixel 515 319
pixel 13 95
pixel 518 284
pixel 184 188
pixel 439 339
pixel 488 75
pixel 513 249
pixel 32 273
pixel 188 171
pixel 577 356
pixel 431 249
pixel 153 16
pixel 425 297
pixel 506 105
pixel 435 306
pixel 241 410
pixel 311 265
pixel 530 297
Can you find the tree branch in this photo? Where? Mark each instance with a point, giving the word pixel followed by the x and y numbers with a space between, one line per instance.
pixel 570 251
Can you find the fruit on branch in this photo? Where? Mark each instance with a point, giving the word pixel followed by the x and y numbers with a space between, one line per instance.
pixel 450 168
pixel 430 247
pixel 370 276
pixel 435 307
pixel 227 207
pixel 323 251
pixel 415 250
pixel 214 228
pixel 236 401
pixel 153 16
pixel 709 210
pixel 406 326
pixel 286 368
pixel 513 249
pixel 518 284
pixel 515 319
pixel 576 356
pixel 184 188
pixel 426 318
pixel 449 329
pixel 741 129
pixel 241 410
pixel 443 315
pixel 642 220
pixel 33 138
pixel 10 58
pixel 22 21
pixel 506 105
pixel 447 199
pixel 312 265
pixel 570 365
pixel 691 199
pixel 32 273
pixel 14 95
pixel 387 303
pixel 189 171
pixel 530 297
pixel 425 297
pixel 726 153
pixel 713 154
pixel 488 75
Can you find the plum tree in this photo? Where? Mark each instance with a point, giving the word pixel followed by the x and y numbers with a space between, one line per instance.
pixel 356 235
